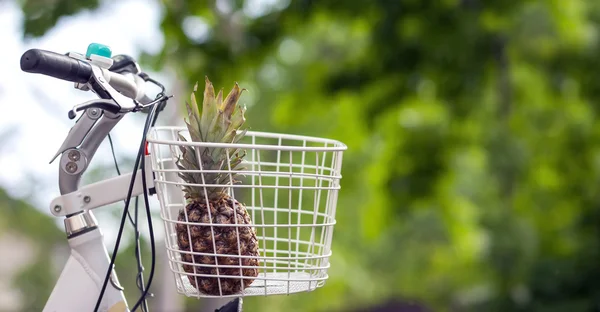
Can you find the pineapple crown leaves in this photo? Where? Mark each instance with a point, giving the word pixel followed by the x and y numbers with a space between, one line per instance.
pixel 217 120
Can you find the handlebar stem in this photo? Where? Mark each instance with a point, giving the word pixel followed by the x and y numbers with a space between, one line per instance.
pixel 76 158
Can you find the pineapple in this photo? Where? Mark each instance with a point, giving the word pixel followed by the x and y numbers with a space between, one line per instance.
pixel 219 121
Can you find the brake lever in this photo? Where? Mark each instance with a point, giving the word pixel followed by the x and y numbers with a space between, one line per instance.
pixel 106 105
pixel 110 100
pixel 105 91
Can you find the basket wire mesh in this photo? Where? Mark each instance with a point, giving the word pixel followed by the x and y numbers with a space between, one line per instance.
pixel 289 186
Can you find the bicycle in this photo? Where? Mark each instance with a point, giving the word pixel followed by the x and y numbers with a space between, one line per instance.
pixel 88 281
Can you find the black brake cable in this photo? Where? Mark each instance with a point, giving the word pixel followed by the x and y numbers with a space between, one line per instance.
pixel 121 227
pixel 150 232
pixel 112 149
pixel 139 281
pixel 150 119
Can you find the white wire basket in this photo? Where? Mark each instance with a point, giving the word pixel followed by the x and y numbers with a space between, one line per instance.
pixel 289 187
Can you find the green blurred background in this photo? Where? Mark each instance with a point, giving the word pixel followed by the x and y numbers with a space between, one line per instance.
pixel 471 177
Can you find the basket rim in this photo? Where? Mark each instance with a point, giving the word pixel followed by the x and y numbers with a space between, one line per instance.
pixel 336 146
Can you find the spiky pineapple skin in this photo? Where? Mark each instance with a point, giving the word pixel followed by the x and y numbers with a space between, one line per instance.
pixel 225 243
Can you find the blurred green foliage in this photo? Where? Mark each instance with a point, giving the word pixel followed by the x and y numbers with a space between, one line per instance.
pixel 34 280
pixel 470 182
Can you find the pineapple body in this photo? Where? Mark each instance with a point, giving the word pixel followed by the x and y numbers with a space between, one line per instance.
pixel 225 244
pixel 216 120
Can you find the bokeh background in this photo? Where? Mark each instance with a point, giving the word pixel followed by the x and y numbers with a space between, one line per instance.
pixel 471 177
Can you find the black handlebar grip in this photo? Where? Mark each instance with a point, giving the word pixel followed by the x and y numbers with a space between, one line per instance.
pixel 56 65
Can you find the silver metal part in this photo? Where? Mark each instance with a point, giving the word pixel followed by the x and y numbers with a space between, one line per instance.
pixel 82 86
pixel 123 84
pixel 105 103
pixel 126 104
pixel 68 180
pixel 115 281
pixel 94 112
pixel 73 162
pixel 57 208
pixel 99 133
pixel 78 132
pixel 74 155
pixel 79 222
pixel 71 167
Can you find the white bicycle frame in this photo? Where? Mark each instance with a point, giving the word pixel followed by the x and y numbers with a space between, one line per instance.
pixel 79 284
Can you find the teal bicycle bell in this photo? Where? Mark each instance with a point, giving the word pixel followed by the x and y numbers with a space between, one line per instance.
pixel 98 49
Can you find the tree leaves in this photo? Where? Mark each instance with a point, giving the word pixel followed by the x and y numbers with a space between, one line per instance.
pixel 42 15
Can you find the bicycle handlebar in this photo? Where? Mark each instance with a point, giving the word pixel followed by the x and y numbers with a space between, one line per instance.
pixel 56 65
pixel 121 81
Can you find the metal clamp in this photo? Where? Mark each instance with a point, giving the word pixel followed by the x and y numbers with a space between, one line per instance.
pixel 78 223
